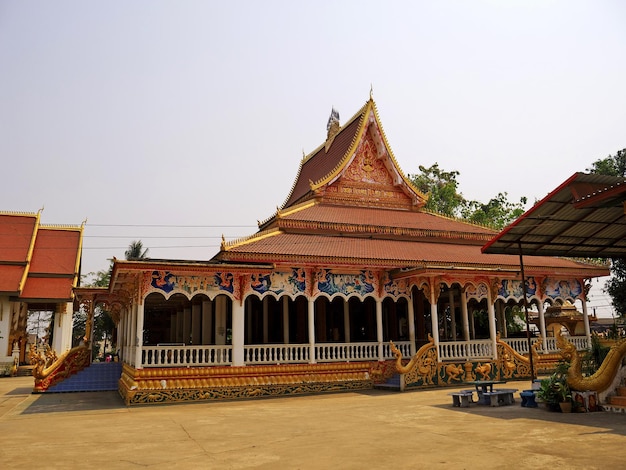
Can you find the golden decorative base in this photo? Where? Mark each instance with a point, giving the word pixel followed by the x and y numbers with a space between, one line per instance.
pixel 165 385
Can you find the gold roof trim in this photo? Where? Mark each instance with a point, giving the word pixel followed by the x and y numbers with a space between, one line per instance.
pixel 252 238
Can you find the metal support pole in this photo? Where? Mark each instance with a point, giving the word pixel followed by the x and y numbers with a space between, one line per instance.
pixel 530 350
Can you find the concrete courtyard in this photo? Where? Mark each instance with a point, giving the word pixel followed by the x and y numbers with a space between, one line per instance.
pixel 353 430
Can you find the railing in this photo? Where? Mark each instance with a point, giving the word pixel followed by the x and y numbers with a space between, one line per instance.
pixel 177 356
pixel 521 344
pixel 403 346
pixel 336 352
pixel 276 353
pixel 475 349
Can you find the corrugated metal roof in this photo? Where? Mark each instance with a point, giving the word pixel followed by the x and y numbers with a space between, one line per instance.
pixel 583 217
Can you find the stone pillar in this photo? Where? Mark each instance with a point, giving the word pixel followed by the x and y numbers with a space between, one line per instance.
pixel 5 326
pixel 411 313
pixel 311 318
pixel 379 328
pixel 220 320
pixel 586 322
pixel 464 316
pixel 452 313
pixel 238 333
pixel 346 321
pixel 62 328
pixel 139 337
pixel 493 335
pixel 542 327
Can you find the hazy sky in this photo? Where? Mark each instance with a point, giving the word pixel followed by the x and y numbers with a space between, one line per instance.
pixel 175 122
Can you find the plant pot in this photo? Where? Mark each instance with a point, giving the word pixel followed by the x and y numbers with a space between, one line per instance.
pixel 566 406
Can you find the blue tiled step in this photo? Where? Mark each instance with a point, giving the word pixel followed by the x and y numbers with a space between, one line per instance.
pixel 392 383
pixel 99 376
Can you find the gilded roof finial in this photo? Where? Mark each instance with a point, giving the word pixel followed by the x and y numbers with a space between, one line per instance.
pixel 371 91
pixel 332 127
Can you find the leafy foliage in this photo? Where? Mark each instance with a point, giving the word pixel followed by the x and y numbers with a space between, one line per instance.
pixel 445 198
pixel 136 251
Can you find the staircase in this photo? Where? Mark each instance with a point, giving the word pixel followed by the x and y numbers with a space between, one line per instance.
pixel 98 377
pixel 392 383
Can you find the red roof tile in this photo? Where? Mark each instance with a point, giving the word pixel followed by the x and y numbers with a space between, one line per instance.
pixel 16 233
pixel 384 218
pixel 10 278
pixel 48 288
pixel 389 253
pixel 321 163
pixel 56 251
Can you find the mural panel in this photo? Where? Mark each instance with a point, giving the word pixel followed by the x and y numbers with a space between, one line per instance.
pixel 570 288
pixel 168 281
pixel 512 288
pixel 330 283
pixel 279 282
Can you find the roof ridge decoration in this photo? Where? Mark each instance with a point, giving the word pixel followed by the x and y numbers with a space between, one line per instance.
pixel 31 250
pixel 364 124
pixel 307 157
pixel 226 246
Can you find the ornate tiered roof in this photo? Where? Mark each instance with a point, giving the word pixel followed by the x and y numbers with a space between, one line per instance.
pixel 38 262
pixel 352 206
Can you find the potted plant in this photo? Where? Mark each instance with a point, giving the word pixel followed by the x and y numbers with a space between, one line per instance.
pixel 565 396
pixel 554 390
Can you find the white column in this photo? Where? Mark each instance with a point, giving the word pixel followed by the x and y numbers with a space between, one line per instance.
pixel 411 313
pixel 379 328
pixel 542 327
pixel 220 320
pixel 492 326
pixel 464 316
pixel 238 333
pixel 5 325
pixel 434 323
pixel 586 322
pixel 207 322
pixel 452 313
pixel 196 313
pixel 266 333
pixel 62 328
pixel 311 318
pixel 285 301
pixel 132 344
pixel 346 320
pixel 139 337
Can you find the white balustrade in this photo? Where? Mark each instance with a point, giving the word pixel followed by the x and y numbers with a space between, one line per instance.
pixel 475 349
pixel 520 345
pixel 338 352
pixel 403 346
pixel 177 356
pixel 276 353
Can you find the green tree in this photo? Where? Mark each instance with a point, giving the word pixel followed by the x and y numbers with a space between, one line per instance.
pixel 614 165
pixel 442 188
pixel 444 197
pixel 135 251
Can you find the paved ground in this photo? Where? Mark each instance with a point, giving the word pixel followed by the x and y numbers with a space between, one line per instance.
pixel 352 430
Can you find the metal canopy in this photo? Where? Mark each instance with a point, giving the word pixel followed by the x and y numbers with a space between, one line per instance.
pixel 582 218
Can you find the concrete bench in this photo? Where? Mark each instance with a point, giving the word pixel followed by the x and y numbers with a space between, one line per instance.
pixel 462 398
pixel 500 397
pixel 528 399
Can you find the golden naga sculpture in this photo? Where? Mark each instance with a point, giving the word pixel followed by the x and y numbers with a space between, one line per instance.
pixel 602 378
pixel 422 366
pixel 50 370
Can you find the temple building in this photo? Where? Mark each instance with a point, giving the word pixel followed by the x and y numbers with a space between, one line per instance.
pixel 39 268
pixel 350 272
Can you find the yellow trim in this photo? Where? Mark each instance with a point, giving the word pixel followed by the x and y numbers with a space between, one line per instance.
pixel 393 158
pixel 296 208
pixel 252 238
pixel 31 249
